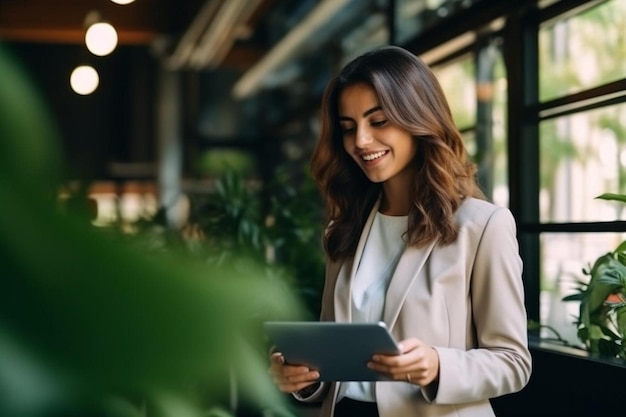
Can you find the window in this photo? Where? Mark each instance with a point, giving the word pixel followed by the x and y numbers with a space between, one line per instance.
pixel 476 88
pixel 582 51
pixel 458 80
pixel 580 115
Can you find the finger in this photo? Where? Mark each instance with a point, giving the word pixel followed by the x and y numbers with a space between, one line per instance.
pixel 422 377
pixel 291 383
pixel 392 361
pixel 288 372
pixel 381 368
pixel 277 357
pixel 409 344
pixel 278 363
pixel 281 370
pixel 398 366
pixel 421 372
pixel 408 349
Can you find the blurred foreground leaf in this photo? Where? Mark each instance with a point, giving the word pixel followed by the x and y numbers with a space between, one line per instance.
pixel 91 325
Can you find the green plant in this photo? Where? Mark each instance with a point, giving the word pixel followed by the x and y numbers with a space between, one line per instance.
pixel 278 223
pixel 295 230
pixel 94 324
pixel 601 322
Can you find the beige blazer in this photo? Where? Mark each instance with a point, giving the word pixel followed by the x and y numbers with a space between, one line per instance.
pixel 466 300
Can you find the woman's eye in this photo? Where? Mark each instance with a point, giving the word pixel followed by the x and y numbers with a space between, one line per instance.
pixel 379 123
pixel 347 130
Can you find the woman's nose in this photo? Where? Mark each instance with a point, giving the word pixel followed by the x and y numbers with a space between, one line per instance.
pixel 363 137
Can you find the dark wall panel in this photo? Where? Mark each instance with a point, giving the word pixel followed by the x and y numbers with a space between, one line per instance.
pixel 113 124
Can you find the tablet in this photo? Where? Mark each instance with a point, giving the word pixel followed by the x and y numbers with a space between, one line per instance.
pixel 339 351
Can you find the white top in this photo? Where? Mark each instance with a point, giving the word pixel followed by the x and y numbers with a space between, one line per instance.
pixel 382 251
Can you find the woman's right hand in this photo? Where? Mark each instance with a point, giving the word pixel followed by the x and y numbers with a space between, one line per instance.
pixel 290 378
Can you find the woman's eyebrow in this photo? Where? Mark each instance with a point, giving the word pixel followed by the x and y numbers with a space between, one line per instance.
pixel 372 110
pixel 365 114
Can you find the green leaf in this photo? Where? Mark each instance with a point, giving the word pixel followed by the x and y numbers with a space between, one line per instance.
pixel 574 297
pixel 620 249
pixel 621 320
pixel 96 313
pixel 612 197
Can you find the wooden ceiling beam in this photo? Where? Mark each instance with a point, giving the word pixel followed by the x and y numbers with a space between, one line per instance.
pixel 138 23
pixel 63 21
pixel 71 36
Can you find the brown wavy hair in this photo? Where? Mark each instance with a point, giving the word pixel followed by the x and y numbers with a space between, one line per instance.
pixel 412 98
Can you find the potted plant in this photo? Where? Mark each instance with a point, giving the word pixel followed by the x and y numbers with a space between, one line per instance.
pixel 601 322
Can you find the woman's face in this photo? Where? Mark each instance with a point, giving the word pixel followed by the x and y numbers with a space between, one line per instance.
pixel 383 150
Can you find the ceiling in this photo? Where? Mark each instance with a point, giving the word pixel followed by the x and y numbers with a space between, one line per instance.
pixel 265 39
pixel 234 49
pixel 63 21
pixel 142 22
pixel 271 43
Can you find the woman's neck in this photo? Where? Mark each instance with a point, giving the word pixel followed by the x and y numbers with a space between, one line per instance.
pixel 396 199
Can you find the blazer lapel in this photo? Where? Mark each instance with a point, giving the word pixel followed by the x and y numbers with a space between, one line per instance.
pixel 408 269
pixel 343 289
pixel 409 266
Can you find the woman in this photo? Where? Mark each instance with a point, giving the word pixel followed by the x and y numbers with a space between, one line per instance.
pixel 412 241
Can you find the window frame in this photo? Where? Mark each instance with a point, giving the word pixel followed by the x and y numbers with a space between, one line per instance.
pixel 525 112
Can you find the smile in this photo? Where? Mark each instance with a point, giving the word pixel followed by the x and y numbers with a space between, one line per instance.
pixel 372 156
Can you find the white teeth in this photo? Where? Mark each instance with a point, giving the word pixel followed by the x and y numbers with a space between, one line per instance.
pixel 373 156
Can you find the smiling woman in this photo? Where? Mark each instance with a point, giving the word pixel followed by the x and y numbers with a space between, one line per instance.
pixel 412 242
pixel 382 149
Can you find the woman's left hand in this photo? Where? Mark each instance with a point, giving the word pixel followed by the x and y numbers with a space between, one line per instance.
pixel 417 363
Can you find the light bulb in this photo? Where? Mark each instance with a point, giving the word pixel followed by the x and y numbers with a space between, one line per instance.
pixel 84 80
pixel 101 38
pixel 122 1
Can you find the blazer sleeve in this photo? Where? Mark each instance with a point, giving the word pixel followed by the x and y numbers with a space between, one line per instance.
pixel 500 363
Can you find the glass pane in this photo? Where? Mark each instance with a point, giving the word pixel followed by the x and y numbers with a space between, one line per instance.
pixel 414 17
pixel 563 257
pixel 490 151
pixel 581 157
pixel 459 84
pixel 582 51
pixel 469 137
pixel 500 171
